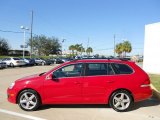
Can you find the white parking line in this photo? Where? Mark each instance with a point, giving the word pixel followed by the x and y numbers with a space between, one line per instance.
pixel 20 115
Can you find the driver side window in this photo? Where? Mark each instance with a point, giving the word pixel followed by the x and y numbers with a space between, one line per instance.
pixel 69 71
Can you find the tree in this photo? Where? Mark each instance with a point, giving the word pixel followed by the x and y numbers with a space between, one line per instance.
pixel 72 48
pixel 123 48
pixel 119 49
pixel 4 46
pixel 89 50
pixel 77 48
pixel 127 47
pixel 45 45
pixel 82 49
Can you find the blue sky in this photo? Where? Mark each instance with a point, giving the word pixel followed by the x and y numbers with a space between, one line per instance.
pixel 78 20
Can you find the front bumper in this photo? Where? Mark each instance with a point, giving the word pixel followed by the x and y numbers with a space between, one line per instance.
pixel 11 95
pixel 3 65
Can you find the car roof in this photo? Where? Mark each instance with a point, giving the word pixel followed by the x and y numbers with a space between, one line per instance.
pixel 93 61
pixel 100 60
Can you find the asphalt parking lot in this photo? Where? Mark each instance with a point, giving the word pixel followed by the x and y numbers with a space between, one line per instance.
pixel 145 110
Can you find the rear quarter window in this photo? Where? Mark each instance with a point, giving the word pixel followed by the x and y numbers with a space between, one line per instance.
pixel 122 68
pixel 16 58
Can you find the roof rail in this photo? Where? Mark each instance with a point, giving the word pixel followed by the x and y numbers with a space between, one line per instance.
pixel 108 58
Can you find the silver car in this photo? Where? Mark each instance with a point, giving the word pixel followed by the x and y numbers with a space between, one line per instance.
pixel 3 64
pixel 14 61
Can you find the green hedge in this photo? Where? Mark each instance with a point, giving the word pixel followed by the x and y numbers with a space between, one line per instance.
pixel 43 57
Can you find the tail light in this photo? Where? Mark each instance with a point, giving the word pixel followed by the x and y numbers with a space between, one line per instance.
pixel 146 83
pixel 17 61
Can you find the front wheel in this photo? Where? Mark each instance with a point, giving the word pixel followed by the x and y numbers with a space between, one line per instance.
pixel 43 63
pixel 121 101
pixel 11 65
pixel 29 100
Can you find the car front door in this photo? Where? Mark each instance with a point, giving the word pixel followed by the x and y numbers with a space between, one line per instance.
pixel 65 86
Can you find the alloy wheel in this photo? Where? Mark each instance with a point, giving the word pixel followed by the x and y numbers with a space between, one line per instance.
pixel 121 101
pixel 28 101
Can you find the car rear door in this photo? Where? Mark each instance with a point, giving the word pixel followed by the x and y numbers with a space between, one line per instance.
pixel 95 83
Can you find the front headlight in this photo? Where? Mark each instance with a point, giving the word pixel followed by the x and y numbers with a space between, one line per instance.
pixel 11 86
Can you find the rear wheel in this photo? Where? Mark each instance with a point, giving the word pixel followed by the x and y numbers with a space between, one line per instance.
pixel 29 100
pixel 121 101
pixel 11 64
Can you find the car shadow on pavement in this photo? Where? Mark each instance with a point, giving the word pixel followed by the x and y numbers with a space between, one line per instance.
pixel 146 103
pixel 73 106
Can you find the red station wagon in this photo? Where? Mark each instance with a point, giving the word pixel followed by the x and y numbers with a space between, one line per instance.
pixel 116 82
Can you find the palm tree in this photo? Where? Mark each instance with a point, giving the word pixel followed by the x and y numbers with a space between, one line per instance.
pixel 77 48
pixel 119 49
pixel 82 49
pixel 72 48
pixel 127 47
pixel 123 48
pixel 89 50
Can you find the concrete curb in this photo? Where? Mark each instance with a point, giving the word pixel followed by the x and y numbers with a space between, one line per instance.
pixel 156 93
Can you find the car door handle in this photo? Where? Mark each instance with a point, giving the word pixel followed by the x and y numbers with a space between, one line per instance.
pixel 111 81
pixel 77 83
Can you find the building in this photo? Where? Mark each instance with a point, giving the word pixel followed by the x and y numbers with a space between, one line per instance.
pixel 151 63
pixel 18 53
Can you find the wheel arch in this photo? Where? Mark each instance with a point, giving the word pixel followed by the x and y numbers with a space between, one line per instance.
pixel 121 89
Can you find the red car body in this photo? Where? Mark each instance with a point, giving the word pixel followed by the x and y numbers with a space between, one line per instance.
pixel 84 89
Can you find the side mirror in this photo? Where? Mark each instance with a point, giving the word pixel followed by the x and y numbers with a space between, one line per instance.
pixel 52 77
pixel 49 77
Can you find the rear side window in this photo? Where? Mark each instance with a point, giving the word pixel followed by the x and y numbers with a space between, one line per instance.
pixel 93 69
pixel 122 68
pixel 16 58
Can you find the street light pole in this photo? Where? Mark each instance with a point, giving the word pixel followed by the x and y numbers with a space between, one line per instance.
pixel 63 40
pixel 31 29
pixel 24 39
pixel 114 44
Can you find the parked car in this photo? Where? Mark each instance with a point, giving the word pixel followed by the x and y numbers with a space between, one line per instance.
pixel 53 60
pixel 29 61
pixel 14 61
pixel 61 60
pixel 118 83
pixel 3 64
pixel 48 61
pixel 39 61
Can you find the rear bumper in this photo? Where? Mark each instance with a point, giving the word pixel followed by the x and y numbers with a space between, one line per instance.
pixel 142 93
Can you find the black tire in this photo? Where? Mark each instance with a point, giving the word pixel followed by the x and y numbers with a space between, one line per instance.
pixel 119 104
pixel 11 65
pixel 43 63
pixel 35 100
